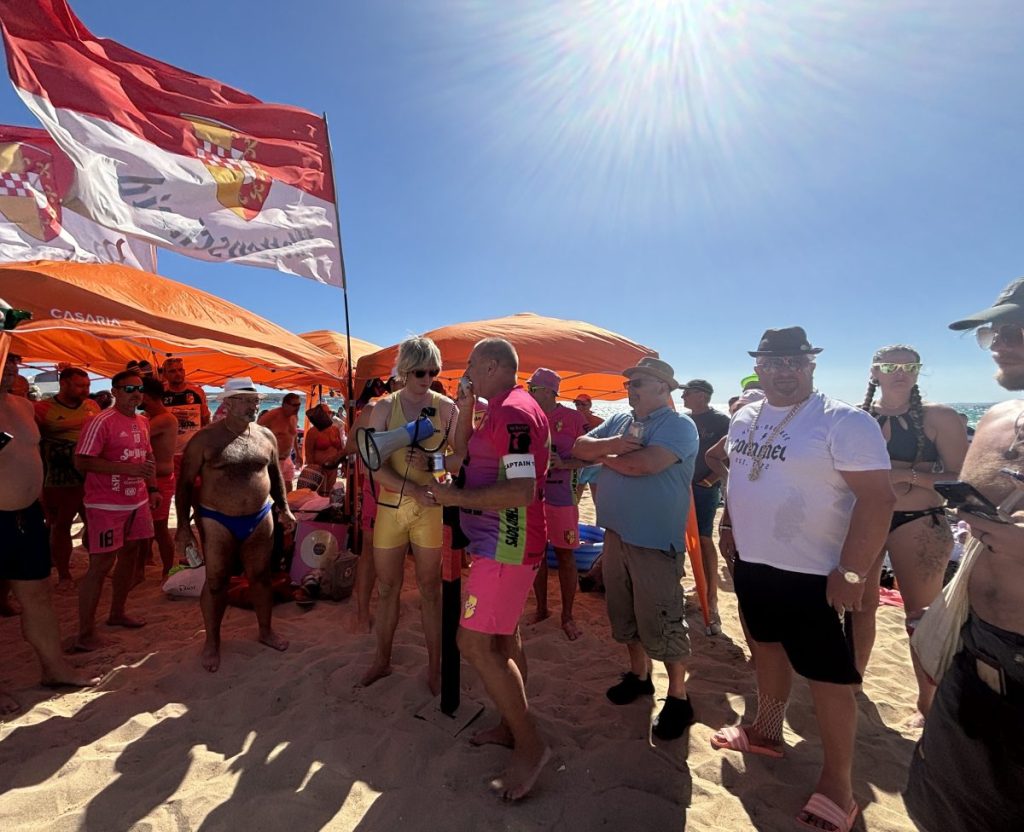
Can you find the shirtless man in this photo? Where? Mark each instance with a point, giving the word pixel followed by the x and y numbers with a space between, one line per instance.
pixel 968 769
pixel 237 461
pixel 25 553
pixel 283 422
pixel 163 434
pixel 61 420
pixel 116 458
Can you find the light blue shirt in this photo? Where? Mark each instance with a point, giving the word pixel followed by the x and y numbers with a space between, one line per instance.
pixel 650 510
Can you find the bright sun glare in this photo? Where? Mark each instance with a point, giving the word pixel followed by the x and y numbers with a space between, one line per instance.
pixel 643 109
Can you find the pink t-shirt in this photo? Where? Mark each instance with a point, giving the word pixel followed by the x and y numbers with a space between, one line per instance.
pixel 566 427
pixel 116 438
pixel 511 439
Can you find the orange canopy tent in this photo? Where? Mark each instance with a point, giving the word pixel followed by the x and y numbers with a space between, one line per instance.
pixel 99 317
pixel 588 358
pixel 335 344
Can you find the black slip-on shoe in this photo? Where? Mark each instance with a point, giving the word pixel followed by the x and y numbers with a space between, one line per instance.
pixel 631 687
pixel 675 717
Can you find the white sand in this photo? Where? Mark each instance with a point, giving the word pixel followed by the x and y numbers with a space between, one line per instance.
pixel 285 741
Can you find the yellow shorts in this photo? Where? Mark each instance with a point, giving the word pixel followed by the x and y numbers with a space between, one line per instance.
pixel 409 523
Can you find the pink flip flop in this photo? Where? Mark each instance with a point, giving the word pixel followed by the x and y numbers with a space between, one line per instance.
pixel 735 738
pixel 829 811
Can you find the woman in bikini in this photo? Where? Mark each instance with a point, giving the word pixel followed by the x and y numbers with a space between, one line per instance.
pixel 927 443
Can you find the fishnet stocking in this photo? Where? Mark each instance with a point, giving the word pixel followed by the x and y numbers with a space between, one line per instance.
pixel 770 714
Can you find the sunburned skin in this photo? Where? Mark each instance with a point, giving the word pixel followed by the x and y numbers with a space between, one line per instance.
pixel 996 587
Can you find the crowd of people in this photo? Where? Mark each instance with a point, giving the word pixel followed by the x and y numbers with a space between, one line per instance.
pixel 818 494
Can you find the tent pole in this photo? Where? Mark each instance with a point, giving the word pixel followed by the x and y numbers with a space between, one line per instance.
pixel 350 399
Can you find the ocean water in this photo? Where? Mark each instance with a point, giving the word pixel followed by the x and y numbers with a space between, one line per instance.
pixel 974 410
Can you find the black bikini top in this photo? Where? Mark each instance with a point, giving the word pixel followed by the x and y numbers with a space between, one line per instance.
pixel 902 444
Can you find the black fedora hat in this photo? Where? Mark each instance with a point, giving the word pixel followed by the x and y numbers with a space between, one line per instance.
pixel 792 340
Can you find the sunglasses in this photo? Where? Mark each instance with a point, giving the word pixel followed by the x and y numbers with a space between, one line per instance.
pixel 425 373
pixel 789 362
pixel 130 388
pixel 639 382
pixel 890 367
pixel 1009 335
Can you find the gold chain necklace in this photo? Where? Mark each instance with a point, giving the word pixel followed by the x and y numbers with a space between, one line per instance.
pixel 756 461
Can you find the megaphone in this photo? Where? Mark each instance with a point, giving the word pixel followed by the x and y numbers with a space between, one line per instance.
pixel 376 446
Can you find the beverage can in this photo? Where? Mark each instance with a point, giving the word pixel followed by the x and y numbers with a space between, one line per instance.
pixel 636 430
pixel 436 467
pixel 193 555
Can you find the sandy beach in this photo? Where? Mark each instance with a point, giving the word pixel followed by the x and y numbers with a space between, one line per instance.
pixel 285 741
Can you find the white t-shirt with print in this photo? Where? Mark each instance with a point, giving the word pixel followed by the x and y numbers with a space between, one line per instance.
pixel 796 514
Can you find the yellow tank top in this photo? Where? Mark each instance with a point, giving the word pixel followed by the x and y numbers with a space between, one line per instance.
pixel 396 420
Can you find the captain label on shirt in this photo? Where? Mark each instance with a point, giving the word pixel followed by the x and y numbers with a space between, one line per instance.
pixel 519 466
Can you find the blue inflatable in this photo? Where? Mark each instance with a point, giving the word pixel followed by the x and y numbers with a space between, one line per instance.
pixel 589 550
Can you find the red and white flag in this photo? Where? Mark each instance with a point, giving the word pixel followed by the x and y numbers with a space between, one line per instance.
pixel 173 158
pixel 35 223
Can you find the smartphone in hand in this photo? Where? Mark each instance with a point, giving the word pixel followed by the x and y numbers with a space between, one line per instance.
pixel 966 498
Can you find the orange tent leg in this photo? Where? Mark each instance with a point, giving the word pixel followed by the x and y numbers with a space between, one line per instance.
pixel 692 538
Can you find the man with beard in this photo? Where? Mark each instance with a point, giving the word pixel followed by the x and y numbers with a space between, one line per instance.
pixel 968 769
pixel 188 404
pixel 240 482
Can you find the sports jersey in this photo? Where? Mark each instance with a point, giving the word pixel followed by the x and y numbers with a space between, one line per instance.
pixel 116 438
pixel 512 437
pixel 566 427
pixel 187 406
pixel 59 428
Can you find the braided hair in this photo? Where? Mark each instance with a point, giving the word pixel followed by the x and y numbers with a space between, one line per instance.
pixel 915 413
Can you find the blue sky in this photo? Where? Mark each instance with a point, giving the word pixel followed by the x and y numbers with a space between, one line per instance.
pixel 687 173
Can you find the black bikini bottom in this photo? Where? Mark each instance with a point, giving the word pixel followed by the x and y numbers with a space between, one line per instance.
pixel 899 518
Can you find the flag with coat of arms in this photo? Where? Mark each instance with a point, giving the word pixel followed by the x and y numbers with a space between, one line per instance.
pixel 176 159
pixel 35 198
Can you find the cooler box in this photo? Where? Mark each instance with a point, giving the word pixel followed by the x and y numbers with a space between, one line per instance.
pixel 312 542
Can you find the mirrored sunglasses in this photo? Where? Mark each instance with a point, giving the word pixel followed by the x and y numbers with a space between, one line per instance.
pixel 1009 335
pixel 130 388
pixel 890 367
pixel 789 362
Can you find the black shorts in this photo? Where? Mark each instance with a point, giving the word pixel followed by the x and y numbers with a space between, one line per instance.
pixel 789 608
pixel 24 545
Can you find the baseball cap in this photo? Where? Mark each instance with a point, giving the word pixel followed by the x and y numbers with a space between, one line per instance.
pixel 699 384
pixel 543 377
pixel 1007 309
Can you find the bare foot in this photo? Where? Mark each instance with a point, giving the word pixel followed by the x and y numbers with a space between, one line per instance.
pixel 498 735
pixel 916 722
pixel 378 670
pixel 66 586
pixel 210 657
pixel 521 774
pixel 8 704
pixel 125 621
pixel 537 617
pixel 86 644
pixel 572 632
pixel 272 639
pixel 70 678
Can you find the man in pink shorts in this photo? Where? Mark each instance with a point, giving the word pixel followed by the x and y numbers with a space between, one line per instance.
pixel 502 514
pixel 560 511
pixel 115 454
